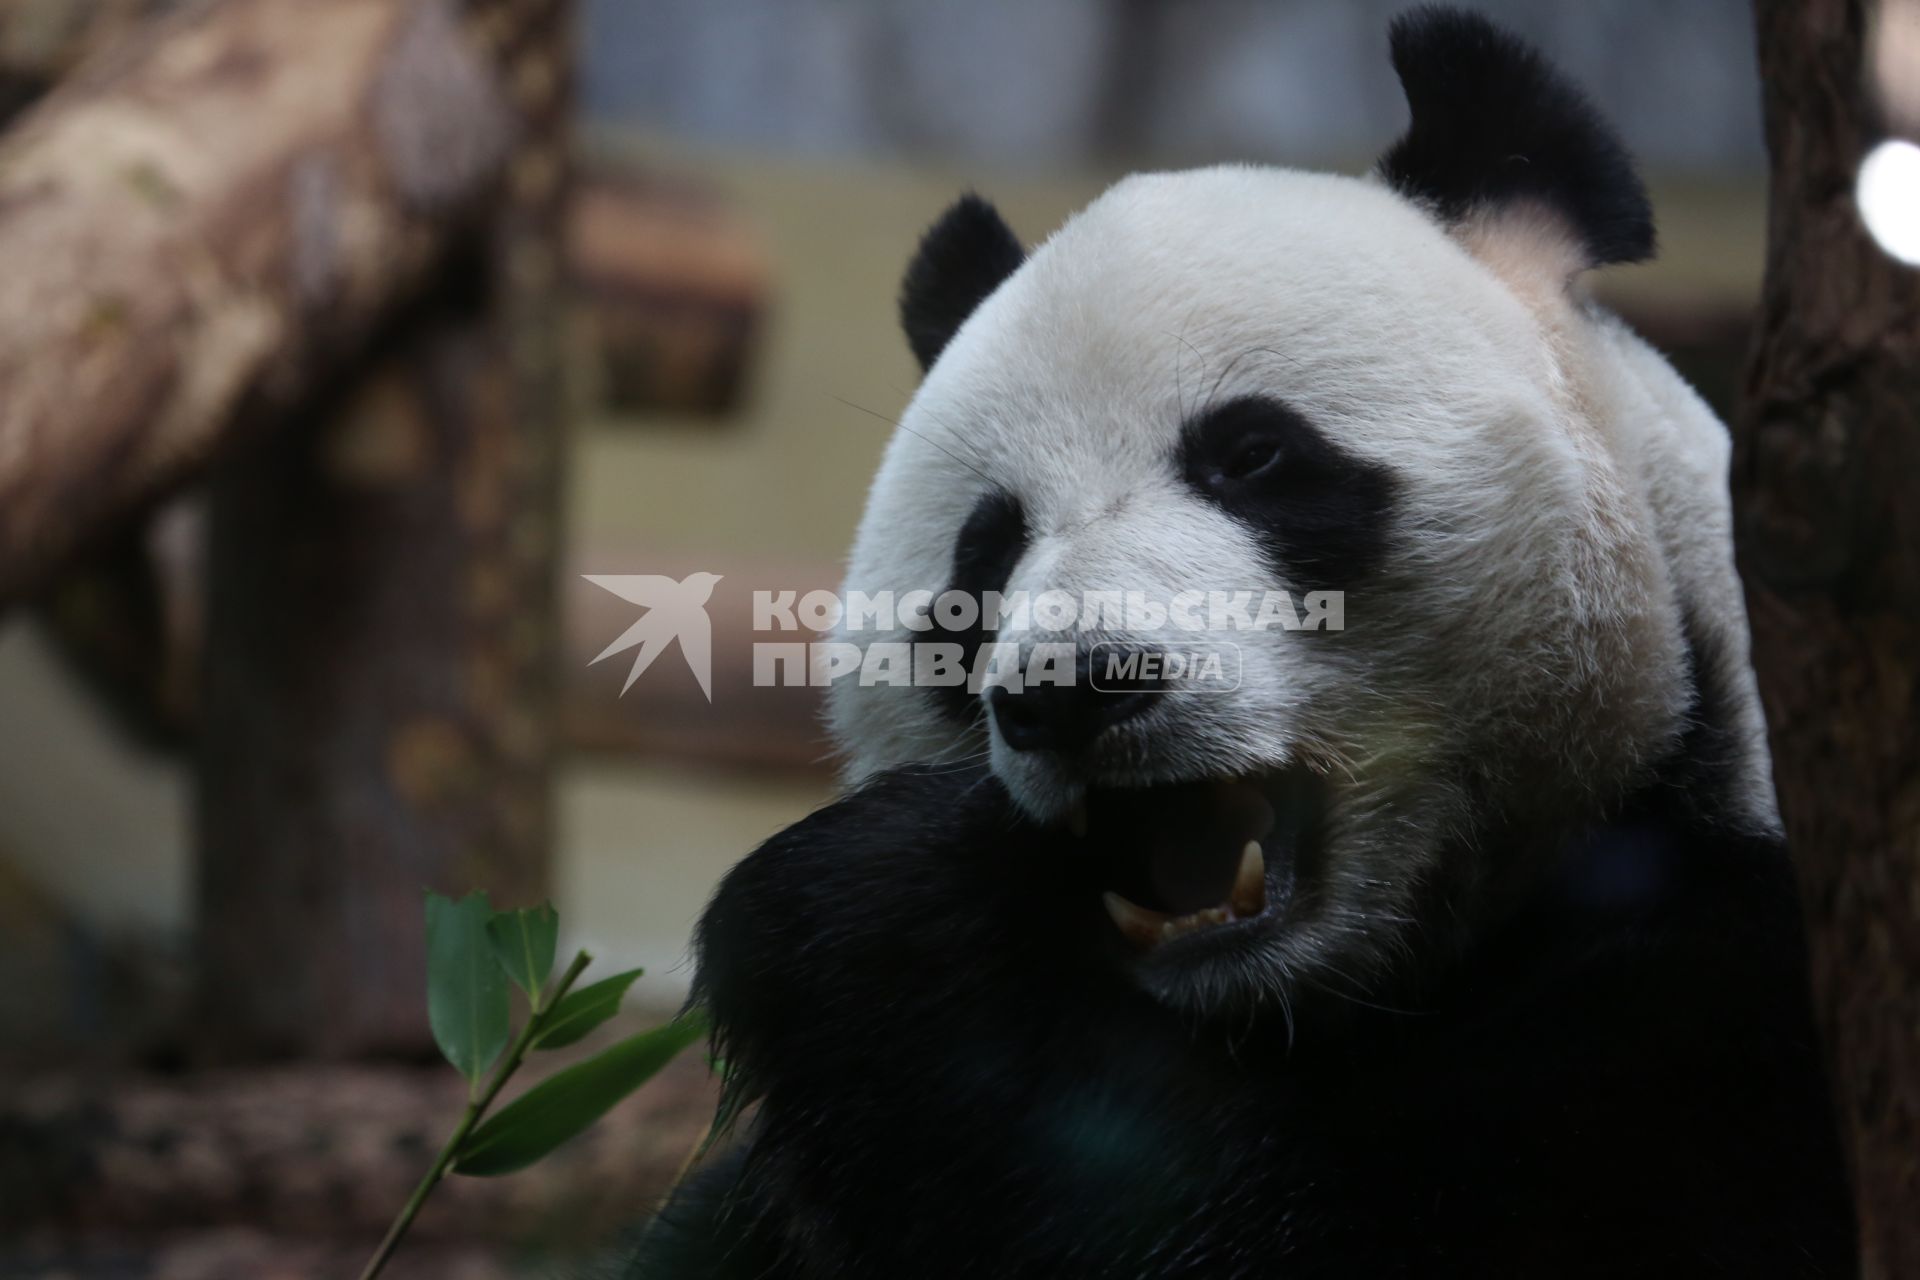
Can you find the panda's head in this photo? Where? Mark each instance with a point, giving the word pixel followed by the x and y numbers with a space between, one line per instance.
pixel 1256 380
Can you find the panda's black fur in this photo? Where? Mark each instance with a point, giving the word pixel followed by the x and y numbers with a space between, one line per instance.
pixel 1493 123
pixel 956 1076
pixel 961 259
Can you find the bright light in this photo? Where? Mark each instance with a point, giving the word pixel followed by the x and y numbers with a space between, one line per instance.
pixel 1888 194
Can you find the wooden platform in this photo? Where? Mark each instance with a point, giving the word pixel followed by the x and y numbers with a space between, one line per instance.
pixel 294 1172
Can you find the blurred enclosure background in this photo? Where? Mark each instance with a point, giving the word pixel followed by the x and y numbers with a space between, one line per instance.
pixel 755 173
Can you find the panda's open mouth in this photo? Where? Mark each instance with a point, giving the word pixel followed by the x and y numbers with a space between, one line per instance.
pixel 1196 857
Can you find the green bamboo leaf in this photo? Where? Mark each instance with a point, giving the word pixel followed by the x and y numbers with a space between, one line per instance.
pixel 523 941
pixel 562 1106
pixel 466 990
pixel 583 1010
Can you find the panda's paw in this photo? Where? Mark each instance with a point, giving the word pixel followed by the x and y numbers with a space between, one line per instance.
pixel 905 914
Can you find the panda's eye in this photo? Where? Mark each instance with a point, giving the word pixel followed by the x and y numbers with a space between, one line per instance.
pixel 1251 459
pixel 1320 512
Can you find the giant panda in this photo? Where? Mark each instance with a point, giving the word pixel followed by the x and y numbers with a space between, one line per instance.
pixel 1458 941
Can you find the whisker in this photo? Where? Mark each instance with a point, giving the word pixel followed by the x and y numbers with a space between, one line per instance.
pixel 1235 363
pixel 873 413
pixel 1180 397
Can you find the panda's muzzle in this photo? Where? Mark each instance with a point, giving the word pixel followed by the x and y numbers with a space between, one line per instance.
pixel 1194 857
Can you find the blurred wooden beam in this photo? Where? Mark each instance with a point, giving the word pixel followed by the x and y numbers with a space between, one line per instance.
pixel 196 231
pixel 382 636
pixel 1828 537
pixel 671 288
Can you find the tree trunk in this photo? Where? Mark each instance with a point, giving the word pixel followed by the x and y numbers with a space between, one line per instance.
pixel 382 633
pixel 195 230
pixel 1829 545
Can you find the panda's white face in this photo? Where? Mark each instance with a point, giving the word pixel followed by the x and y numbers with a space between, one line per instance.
pixel 1253 380
pixel 1409 433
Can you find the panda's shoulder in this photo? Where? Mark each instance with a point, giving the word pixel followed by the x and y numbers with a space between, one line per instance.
pixel 1652 927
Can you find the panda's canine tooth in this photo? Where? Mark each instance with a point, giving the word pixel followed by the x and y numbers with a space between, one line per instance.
pixel 1249 895
pixel 1136 923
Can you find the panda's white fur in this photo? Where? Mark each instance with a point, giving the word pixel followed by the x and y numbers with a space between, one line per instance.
pixel 1564 512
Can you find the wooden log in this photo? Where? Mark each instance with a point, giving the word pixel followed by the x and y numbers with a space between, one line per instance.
pixel 1829 546
pixel 42 40
pixel 382 637
pixel 321 1152
pixel 373 696
pixel 658 332
pixel 197 230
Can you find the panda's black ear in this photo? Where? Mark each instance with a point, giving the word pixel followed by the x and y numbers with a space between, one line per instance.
pixel 962 258
pixel 1496 127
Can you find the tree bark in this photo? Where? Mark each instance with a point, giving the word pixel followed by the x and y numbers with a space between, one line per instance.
pixel 1828 536
pixel 197 229
pixel 42 40
pixel 382 632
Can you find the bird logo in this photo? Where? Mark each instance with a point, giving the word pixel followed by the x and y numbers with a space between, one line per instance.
pixel 675 610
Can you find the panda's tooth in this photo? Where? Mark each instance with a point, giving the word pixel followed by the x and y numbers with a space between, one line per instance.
pixel 1136 923
pixel 1249 896
pixel 1145 927
pixel 1193 921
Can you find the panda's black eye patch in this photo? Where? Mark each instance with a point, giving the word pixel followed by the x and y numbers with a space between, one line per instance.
pixel 989 545
pixel 1320 512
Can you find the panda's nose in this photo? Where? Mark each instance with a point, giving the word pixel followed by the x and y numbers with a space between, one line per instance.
pixel 1068 717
